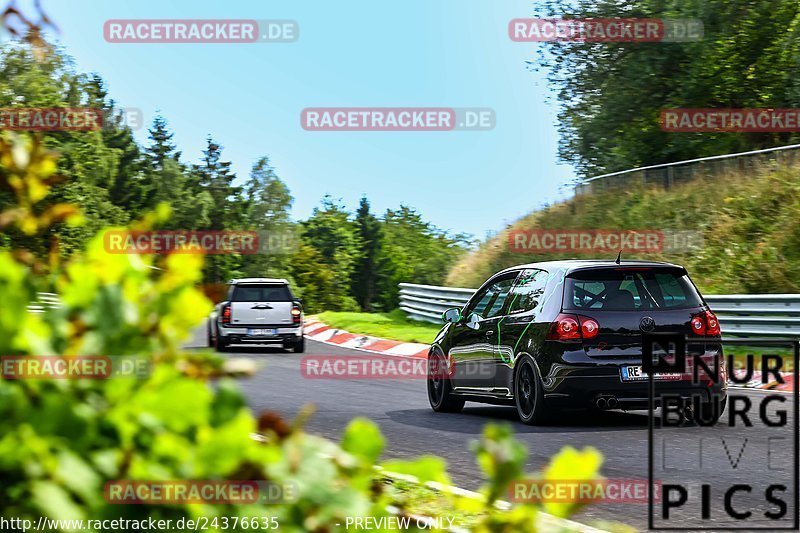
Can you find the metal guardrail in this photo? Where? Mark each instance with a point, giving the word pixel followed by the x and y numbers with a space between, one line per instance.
pixel 428 302
pixel 49 300
pixel 44 300
pixel 669 174
pixel 739 314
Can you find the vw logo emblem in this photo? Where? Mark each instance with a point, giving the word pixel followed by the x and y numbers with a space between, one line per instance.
pixel 647 324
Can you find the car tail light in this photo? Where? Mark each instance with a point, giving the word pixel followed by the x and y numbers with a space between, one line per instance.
pixel 573 327
pixel 296 314
pixel 712 324
pixel 706 324
pixel 226 314
pixel 589 327
pixel 565 328
pixel 698 325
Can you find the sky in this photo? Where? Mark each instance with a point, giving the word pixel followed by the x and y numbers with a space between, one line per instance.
pixel 350 53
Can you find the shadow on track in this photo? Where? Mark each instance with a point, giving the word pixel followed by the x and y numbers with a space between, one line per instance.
pixel 472 419
pixel 245 349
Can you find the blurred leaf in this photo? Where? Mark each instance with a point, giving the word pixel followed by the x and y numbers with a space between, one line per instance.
pixel 363 438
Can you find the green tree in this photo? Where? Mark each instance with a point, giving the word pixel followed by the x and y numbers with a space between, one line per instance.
pixel 268 198
pixel 414 251
pixel 94 167
pixel 314 279
pixel 612 94
pixel 161 146
pixel 167 181
pixel 268 211
pixel 365 275
pixel 333 234
pixel 214 176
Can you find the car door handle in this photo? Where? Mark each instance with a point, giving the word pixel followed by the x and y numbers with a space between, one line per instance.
pixel 489 333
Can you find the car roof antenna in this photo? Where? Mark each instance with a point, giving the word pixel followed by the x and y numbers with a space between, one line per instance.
pixel 619 256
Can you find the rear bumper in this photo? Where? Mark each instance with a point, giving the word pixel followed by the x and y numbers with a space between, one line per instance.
pixel 584 391
pixel 574 379
pixel 238 335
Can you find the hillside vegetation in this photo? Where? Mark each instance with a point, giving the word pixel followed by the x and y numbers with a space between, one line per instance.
pixel 750 224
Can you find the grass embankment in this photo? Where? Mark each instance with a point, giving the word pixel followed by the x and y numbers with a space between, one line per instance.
pixel 750 223
pixel 393 325
pixel 740 353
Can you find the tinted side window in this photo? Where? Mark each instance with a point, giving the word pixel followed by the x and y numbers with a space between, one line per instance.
pixel 489 302
pixel 261 293
pixel 527 292
pixel 501 289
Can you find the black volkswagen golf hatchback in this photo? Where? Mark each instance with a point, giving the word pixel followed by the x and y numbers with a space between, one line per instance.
pixel 569 334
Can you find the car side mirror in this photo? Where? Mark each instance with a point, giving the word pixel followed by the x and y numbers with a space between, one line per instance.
pixel 452 315
pixel 473 321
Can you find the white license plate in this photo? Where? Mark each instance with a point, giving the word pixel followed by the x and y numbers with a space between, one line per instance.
pixel 635 373
pixel 261 332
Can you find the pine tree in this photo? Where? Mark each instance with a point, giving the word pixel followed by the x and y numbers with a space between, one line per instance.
pixel 215 179
pixel 366 269
pixel 215 176
pixel 161 146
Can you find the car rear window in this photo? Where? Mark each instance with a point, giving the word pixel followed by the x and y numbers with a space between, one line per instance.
pixel 261 293
pixel 630 289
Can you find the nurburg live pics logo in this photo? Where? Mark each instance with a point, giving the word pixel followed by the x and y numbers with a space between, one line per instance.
pixel 761 492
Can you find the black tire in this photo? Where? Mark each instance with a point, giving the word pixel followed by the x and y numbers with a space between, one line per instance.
pixel 299 346
pixel 529 393
pixel 219 343
pixel 440 387
pixel 708 413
